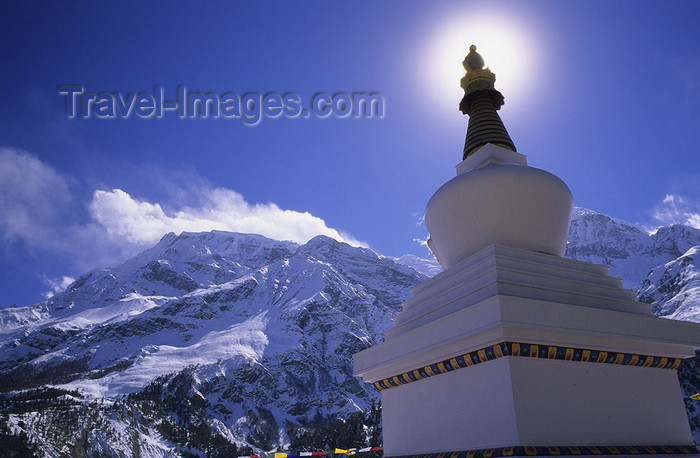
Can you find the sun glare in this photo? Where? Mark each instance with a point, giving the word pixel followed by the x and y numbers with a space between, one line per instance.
pixel 506 49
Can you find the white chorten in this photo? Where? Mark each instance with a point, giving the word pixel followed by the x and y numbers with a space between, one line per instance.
pixel 514 350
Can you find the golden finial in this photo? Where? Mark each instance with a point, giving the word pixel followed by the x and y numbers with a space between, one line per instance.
pixel 473 61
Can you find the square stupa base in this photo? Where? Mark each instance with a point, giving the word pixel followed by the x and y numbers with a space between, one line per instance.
pixel 512 348
pixel 534 402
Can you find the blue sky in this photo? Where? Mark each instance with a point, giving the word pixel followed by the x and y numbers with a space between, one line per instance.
pixel 606 95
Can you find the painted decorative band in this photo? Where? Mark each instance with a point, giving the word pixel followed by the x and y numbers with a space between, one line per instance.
pixel 531 351
pixel 566 451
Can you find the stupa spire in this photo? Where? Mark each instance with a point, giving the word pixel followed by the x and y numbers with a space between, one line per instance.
pixel 491 356
pixel 481 101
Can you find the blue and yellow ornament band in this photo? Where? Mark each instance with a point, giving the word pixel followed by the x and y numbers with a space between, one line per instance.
pixel 566 451
pixel 528 350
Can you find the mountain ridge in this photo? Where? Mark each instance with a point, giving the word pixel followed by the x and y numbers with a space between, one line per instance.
pixel 246 342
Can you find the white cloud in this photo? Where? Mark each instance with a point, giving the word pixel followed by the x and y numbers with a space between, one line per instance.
pixel 142 222
pixel 422 242
pixel 57 285
pixel 678 209
pixel 40 212
pixel 32 196
pixel 420 219
pixel 694 220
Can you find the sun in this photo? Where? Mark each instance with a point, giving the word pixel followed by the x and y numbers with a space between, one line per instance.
pixel 506 48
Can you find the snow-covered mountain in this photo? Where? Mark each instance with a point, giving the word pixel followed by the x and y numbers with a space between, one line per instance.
pixel 673 289
pixel 660 266
pixel 629 252
pixel 220 343
pixel 428 267
pixel 254 335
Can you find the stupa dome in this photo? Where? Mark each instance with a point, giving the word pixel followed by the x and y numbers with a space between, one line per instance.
pixel 496 199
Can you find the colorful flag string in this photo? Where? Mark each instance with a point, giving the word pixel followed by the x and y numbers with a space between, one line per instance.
pixel 695 397
pixel 337 451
